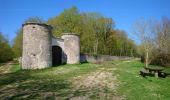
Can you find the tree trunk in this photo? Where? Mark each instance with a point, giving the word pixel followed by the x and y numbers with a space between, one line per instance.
pixel 120 52
pixel 96 47
pixel 147 59
pixel 131 53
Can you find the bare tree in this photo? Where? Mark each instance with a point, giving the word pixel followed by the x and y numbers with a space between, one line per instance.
pixel 144 30
pixel 162 31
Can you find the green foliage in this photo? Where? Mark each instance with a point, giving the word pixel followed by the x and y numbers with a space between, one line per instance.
pixel 121 45
pixel 17 46
pixel 69 21
pixel 6 53
pixel 97 33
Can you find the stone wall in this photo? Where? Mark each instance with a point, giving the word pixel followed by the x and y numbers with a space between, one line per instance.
pixel 36 46
pixel 101 58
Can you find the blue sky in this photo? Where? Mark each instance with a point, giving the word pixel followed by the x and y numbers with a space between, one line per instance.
pixel 124 12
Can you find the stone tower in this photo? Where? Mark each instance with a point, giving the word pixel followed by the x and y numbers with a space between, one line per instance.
pixel 71 48
pixel 37 46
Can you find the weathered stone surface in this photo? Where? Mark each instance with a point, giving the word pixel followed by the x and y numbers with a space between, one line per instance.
pixel 38 43
pixel 71 47
pixel 36 46
pixel 101 58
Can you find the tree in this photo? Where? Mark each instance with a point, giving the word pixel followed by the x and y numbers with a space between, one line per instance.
pixel 6 53
pixel 103 28
pixel 98 29
pixel 97 33
pixel 162 30
pixel 163 35
pixel 144 31
pixel 17 46
pixel 68 21
pixel 93 28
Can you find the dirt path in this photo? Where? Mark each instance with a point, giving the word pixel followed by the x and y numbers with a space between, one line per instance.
pixel 97 83
pixel 101 83
pixel 5 68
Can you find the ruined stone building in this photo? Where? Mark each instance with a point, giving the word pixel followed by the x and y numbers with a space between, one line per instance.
pixel 41 49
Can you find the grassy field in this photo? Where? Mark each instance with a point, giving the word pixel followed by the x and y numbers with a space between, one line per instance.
pixel 114 80
pixel 135 87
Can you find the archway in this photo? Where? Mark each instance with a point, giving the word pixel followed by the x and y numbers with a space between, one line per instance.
pixel 56 55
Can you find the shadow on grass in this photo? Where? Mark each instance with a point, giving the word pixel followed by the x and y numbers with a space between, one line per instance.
pixel 10 78
pixel 58 65
pixel 22 84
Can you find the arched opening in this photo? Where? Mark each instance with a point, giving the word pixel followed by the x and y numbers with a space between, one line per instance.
pixel 56 55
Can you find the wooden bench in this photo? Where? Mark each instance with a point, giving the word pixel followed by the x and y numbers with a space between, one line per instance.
pixel 145 72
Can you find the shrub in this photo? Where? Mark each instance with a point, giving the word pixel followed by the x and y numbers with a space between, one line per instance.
pixel 162 60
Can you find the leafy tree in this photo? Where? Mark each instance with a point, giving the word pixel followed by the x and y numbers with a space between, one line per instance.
pixel 6 53
pixel 97 29
pixel 97 34
pixel 17 46
pixel 68 21
pixel 103 28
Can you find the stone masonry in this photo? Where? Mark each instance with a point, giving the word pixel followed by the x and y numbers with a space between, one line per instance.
pixel 38 43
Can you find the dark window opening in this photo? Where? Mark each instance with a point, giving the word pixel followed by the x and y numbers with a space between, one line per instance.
pixel 33 55
pixel 56 55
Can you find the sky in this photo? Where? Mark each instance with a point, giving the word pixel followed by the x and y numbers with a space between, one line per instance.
pixel 124 12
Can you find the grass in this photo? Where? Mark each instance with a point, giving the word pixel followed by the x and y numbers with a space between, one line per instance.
pixel 135 87
pixel 104 81
pixel 15 68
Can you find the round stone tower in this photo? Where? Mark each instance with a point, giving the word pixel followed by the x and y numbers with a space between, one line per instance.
pixel 71 48
pixel 37 49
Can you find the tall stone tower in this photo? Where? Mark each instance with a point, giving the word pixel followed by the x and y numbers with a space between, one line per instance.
pixel 37 48
pixel 71 47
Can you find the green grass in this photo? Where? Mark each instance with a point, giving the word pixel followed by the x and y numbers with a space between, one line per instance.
pixel 57 82
pixel 135 87
pixel 15 68
pixel 33 84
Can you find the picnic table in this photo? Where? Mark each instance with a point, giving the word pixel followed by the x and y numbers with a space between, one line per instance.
pixel 155 70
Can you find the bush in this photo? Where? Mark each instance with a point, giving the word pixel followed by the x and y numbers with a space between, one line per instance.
pixel 6 53
pixel 162 60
